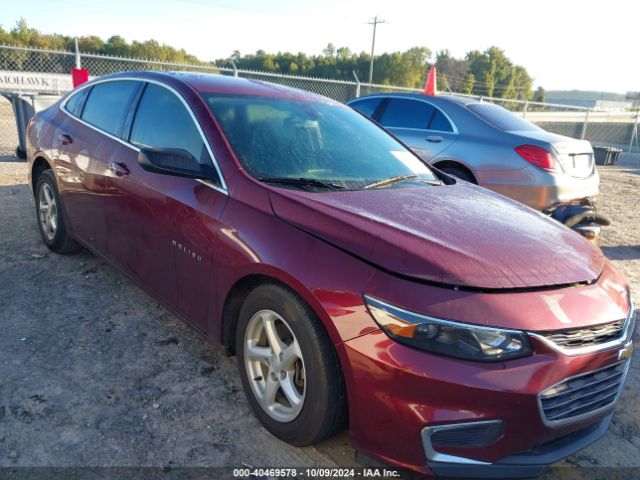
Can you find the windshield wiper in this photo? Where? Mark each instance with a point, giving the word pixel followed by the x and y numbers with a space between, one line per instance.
pixel 302 182
pixel 390 181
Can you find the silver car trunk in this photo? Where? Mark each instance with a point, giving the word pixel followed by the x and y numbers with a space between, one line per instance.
pixel 575 156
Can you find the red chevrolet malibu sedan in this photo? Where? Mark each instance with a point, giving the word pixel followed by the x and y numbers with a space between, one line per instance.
pixel 454 331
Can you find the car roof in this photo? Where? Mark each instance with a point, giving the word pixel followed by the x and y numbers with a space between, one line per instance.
pixel 224 84
pixel 442 98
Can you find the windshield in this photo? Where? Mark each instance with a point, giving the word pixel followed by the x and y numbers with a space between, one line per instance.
pixel 502 118
pixel 312 144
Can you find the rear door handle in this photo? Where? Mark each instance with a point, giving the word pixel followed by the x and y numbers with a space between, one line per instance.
pixel 65 139
pixel 434 138
pixel 118 168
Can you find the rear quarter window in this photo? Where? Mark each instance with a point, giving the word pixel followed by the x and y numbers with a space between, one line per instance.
pixel 440 123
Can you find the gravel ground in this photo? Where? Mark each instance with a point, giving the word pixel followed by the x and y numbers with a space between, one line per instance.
pixel 95 373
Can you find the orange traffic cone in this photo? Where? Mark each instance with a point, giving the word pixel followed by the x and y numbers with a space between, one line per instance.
pixel 430 86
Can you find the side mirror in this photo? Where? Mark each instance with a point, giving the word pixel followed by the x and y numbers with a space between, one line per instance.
pixel 174 161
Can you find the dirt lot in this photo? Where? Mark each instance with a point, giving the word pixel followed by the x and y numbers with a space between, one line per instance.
pixel 94 372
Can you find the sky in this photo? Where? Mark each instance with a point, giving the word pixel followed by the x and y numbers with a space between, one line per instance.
pixel 564 44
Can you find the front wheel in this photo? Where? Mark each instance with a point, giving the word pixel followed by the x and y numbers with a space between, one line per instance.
pixel 50 216
pixel 289 367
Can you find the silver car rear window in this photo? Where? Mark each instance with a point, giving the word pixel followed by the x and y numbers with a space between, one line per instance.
pixel 502 118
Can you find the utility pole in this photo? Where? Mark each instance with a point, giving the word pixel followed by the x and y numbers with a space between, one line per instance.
pixel 373 45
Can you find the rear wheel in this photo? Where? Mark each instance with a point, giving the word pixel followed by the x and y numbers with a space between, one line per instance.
pixel 50 216
pixel 289 367
pixel 458 172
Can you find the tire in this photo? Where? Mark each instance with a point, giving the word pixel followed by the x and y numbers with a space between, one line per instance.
pixel 315 375
pixel 50 216
pixel 458 172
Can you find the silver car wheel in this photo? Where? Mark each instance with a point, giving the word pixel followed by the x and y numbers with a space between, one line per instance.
pixel 274 365
pixel 48 212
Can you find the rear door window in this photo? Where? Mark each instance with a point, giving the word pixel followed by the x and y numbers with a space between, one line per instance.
pixel 107 105
pixel 367 106
pixel 163 121
pixel 406 113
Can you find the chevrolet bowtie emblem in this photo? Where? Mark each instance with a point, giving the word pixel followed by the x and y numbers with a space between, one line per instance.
pixel 625 352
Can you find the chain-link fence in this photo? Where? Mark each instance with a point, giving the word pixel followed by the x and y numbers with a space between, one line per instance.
pixel 8 130
pixel 36 70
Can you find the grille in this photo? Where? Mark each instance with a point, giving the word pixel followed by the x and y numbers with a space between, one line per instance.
pixel 587 336
pixel 475 434
pixel 583 395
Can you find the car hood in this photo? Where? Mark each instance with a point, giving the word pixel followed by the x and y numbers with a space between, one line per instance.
pixel 459 235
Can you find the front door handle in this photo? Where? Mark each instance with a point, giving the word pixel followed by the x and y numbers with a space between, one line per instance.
pixel 118 168
pixel 434 138
pixel 65 139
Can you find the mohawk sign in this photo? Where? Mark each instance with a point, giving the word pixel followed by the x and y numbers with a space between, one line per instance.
pixel 35 82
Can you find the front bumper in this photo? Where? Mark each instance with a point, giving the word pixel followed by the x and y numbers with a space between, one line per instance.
pixel 530 463
pixel 396 391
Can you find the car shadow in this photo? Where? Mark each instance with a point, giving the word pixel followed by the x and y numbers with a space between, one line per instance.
pixel 622 252
pixel 11 158
pixel 632 170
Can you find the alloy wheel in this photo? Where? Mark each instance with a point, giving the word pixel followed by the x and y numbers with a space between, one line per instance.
pixel 274 365
pixel 48 211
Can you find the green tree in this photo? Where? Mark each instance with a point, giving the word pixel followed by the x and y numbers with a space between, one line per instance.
pixel 117 46
pixel 91 44
pixel 489 79
pixel 330 51
pixel 498 76
pixel 469 82
pixel 455 69
pixel 22 34
pixel 489 72
pixel 5 37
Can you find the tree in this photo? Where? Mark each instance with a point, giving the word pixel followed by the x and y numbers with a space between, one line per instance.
pixel 329 51
pixel 268 64
pixel 539 95
pixel 497 76
pixel 455 69
pixel 489 79
pixel 5 37
pixel 117 46
pixel 488 72
pixel 469 82
pixel 91 44
pixel 22 34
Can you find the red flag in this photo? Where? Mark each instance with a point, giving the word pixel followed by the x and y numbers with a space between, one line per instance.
pixel 430 86
pixel 79 76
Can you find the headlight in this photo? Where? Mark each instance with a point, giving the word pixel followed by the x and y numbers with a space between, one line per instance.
pixel 460 340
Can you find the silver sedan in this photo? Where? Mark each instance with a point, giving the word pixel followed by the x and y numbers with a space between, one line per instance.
pixel 486 144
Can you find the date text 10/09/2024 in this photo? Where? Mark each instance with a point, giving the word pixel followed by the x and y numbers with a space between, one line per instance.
pixel 316 472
